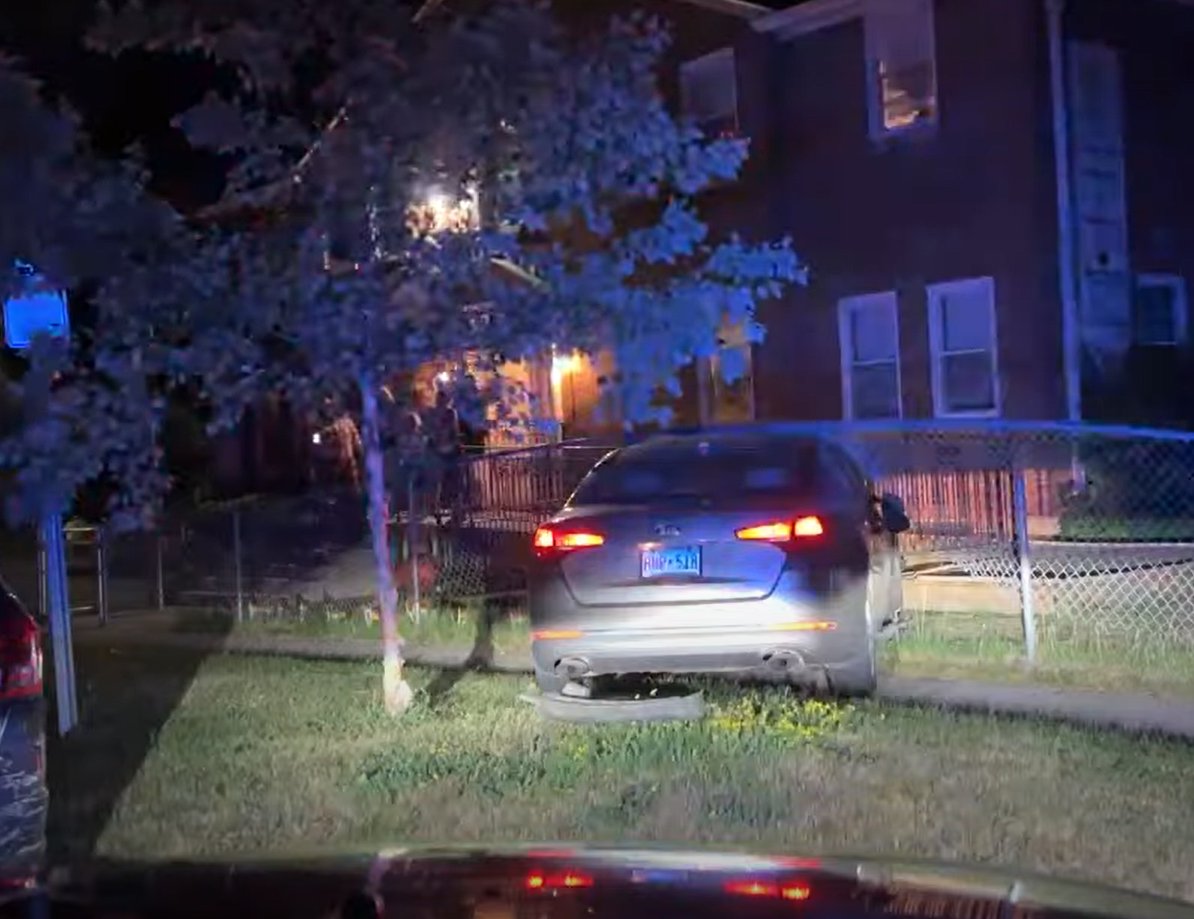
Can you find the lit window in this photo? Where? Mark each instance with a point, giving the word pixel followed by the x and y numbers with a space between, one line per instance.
pixel 962 339
pixel 901 62
pixel 1159 310
pixel 868 330
pixel 709 93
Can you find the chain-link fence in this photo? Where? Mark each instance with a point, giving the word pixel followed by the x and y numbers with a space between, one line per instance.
pixel 1076 539
pixel 1024 536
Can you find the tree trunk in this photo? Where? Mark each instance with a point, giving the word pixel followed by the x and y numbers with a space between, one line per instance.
pixel 397 693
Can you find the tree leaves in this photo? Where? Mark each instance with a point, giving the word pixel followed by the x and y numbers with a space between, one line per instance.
pixel 591 233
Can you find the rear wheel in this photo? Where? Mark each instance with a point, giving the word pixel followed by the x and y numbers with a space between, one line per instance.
pixel 861 677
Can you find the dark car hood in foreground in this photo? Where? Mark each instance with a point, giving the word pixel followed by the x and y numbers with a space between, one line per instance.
pixel 546 882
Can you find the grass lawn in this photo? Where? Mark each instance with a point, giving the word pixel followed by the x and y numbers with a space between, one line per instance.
pixel 942 645
pixel 991 647
pixel 180 754
pixel 454 629
pixel 1103 528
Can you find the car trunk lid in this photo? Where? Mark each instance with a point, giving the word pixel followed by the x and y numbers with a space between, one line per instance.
pixel 652 556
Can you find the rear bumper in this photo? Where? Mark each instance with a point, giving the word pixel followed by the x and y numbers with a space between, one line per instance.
pixel 741 650
pixel 815 632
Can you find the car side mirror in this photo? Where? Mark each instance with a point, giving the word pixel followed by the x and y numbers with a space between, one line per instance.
pixel 894 516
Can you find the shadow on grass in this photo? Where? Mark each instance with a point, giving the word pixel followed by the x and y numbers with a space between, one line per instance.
pixel 480 658
pixel 127 692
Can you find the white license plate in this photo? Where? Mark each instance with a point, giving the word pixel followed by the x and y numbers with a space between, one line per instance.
pixel 685 560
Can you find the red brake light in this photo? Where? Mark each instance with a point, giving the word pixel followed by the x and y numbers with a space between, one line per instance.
pixel 752 888
pixel 548 539
pixel 20 657
pixel 786 890
pixel 579 540
pixel 784 530
pixel 767 532
pixel 807 526
pixel 568 880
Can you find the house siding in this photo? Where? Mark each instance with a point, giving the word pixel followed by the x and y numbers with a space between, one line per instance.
pixel 969 197
pixel 1154 38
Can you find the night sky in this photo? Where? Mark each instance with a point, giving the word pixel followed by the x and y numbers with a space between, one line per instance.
pixel 127 100
pixel 121 101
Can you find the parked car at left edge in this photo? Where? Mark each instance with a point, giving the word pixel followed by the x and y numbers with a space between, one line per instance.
pixel 23 792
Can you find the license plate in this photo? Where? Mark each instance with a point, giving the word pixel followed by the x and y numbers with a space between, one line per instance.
pixel 658 563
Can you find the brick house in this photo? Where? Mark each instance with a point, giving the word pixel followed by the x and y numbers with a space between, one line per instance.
pixel 960 267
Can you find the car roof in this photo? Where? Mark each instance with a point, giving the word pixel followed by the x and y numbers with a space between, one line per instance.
pixel 662 446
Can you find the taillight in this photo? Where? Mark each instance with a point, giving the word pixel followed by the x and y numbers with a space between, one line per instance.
pixel 783 890
pixel 565 880
pixel 752 888
pixel 784 530
pixel 554 538
pixel 20 658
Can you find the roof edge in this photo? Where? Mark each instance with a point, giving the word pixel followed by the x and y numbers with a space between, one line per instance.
pixel 808 17
pixel 743 9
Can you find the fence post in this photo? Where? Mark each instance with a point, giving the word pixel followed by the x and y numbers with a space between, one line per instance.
pixel 101 566
pixel 161 575
pixel 1020 516
pixel 240 598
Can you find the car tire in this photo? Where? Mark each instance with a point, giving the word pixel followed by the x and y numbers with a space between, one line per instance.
pixel 861 678
pixel 548 682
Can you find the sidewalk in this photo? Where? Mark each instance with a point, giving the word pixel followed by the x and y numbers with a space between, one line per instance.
pixel 1135 712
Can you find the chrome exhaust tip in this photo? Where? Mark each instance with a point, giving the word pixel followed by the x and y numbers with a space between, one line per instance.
pixel 573 669
pixel 784 661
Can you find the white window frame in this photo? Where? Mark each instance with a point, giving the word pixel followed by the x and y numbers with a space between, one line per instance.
pixel 1177 284
pixel 937 354
pixel 876 127
pixel 713 60
pixel 845 308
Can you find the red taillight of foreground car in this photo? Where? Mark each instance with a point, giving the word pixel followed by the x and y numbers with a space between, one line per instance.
pixel 20 658
pixel 552 538
pixel 768 888
pixel 564 880
pixel 784 530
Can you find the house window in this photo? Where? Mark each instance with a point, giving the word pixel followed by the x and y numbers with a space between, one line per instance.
pixel 709 93
pixel 962 339
pixel 1159 310
pixel 868 330
pixel 901 64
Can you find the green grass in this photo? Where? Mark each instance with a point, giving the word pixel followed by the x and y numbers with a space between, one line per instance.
pixel 180 755
pixel 991 647
pixel 1104 528
pixel 941 645
pixel 434 628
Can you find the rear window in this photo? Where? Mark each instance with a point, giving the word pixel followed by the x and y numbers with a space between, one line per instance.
pixel 678 475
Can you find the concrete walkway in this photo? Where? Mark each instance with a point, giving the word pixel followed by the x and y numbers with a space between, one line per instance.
pixel 1135 712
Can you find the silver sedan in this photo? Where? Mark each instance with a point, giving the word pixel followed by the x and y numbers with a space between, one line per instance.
pixel 729 552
